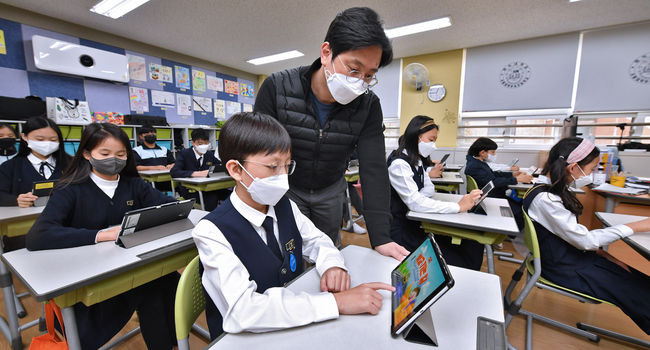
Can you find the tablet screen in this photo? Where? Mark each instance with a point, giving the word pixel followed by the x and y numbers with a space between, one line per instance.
pixel 419 280
pixel 486 189
pixel 444 159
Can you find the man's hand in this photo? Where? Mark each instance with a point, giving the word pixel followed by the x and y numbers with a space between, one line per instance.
pixel 335 279
pixel 392 249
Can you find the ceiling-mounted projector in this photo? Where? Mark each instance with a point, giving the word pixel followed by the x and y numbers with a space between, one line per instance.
pixel 64 57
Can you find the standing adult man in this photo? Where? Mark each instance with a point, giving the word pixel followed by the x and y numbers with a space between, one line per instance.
pixel 328 110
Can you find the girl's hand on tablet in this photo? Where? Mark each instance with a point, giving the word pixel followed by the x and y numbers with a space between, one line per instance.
pixel 361 299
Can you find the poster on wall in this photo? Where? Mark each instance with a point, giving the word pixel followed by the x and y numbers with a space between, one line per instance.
pixel 158 72
pixel 232 87
pixel 198 80
pixel 184 104
pixel 182 77
pixel 247 89
pixel 162 99
pixel 137 68
pixel 247 107
pixel 232 108
pixel 202 104
pixel 139 99
pixel 3 46
pixel 220 109
pixel 214 83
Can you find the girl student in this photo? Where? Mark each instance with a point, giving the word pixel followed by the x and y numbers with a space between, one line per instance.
pixel 40 157
pixel 571 254
pixel 8 137
pixel 86 208
pixel 411 189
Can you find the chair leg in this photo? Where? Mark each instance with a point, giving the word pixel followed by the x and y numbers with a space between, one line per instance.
pixel 612 334
pixel 529 332
pixel 130 334
pixel 200 331
pixel 184 344
pixel 591 336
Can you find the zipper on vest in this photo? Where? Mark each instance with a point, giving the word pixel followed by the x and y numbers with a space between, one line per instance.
pixel 320 135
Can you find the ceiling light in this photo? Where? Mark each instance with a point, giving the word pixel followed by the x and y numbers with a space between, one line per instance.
pixel 277 57
pixel 116 8
pixel 418 27
pixel 574 0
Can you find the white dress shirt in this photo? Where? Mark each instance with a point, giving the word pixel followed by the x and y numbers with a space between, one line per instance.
pixel 401 178
pixel 197 155
pixel 227 282
pixel 36 162
pixel 547 209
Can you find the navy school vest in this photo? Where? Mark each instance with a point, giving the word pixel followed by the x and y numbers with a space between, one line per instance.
pixel 263 266
pixel 404 231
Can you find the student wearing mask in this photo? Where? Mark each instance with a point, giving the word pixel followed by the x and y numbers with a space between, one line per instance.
pixel 40 157
pixel 328 110
pixel 87 207
pixel 149 155
pixel 411 189
pixel 195 162
pixel 254 242
pixel 572 255
pixel 8 137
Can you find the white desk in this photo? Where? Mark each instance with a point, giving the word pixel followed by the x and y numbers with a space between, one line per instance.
pixel 612 199
pixel 640 241
pixel 454 167
pixel 64 273
pixel 448 178
pixel 521 188
pixel 154 176
pixel 14 221
pixel 486 229
pixel 217 181
pixel 454 315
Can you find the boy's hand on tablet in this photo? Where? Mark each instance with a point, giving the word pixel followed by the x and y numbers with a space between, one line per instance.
pixel 335 279
pixel 26 200
pixel 467 202
pixel 108 234
pixel 514 168
pixel 361 299
pixel 393 249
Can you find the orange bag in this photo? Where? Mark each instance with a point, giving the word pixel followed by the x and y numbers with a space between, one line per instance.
pixel 51 340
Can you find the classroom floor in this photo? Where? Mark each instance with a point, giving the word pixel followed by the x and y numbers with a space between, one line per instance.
pixel 560 308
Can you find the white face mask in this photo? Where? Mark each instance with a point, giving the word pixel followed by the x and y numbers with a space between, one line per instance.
pixel 583 180
pixel 202 148
pixel 268 190
pixel 342 90
pixel 426 148
pixel 491 158
pixel 44 148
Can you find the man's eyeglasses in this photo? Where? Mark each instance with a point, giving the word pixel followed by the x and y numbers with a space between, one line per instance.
pixel 354 76
pixel 278 169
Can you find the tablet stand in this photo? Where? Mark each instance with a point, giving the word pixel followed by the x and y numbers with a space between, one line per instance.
pixel 422 330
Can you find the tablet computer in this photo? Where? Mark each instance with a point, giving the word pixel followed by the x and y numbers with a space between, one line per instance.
pixel 43 188
pixel 443 161
pixel 513 162
pixel 419 280
pixel 477 209
pixel 216 170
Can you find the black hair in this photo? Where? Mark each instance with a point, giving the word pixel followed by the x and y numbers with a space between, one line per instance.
pixel 92 136
pixel 145 129
pixel 358 28
pixel 410 139
pixel 10 127
pixel 35 123
pixel 200 134
pixel 249 133
pixel 555 169
pixel 481 144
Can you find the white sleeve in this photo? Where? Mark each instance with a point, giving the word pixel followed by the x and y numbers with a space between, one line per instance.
pixel 226 281
pixel 498 166
pixel 547 209
pixel 401 178
pixel 316 245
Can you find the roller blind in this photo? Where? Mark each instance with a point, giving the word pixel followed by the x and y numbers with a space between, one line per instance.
pixel 388 88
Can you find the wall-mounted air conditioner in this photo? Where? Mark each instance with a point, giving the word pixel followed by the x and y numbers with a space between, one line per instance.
pixel 64 57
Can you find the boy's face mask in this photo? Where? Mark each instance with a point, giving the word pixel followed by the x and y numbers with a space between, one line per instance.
pixel 268 190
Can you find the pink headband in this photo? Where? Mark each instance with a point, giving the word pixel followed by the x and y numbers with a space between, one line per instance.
pixel 579 153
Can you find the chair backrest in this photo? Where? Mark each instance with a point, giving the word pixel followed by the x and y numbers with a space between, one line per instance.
pixel 530 236
pixel 190 300
pixel 471 184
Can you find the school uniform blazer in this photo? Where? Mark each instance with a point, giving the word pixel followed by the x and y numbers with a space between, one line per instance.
pixel 17 176
pixel 482 173
pixel 75 213
pixel 186 163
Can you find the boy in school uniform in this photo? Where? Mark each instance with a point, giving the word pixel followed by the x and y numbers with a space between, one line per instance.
pixel 252 244
pixel 196 162
pixel 151 156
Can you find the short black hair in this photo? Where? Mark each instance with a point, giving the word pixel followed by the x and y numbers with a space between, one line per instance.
pixel 145 129
pixel 200 134
pixel 10 127
pixel 481 144
pixel 411 137
pixel 358 28
pixel 249 133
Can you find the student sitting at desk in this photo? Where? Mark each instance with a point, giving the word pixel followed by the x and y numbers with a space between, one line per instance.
pixel 571 254
pixel 195 162
pixel 411 190
pixel 8 137
pixel 253 243
pixel 86 208
pixel 41 157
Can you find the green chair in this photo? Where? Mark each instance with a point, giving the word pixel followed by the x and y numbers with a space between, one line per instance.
pixel 533 267
pixel 189 304
pixel 471 184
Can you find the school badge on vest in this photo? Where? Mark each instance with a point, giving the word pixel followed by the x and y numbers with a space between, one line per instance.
pixel 290 246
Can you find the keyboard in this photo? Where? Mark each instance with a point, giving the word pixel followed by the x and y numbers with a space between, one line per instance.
pixel 490 334
pixel 505 211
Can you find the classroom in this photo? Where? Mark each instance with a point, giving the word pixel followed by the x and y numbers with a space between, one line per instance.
pixel 454 174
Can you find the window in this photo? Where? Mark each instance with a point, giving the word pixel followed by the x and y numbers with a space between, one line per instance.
pixel 512 130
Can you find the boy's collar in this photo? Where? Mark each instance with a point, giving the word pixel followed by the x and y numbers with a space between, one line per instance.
pixel 251 214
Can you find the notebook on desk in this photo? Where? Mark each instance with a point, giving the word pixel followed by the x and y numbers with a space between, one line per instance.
pixel 140 226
